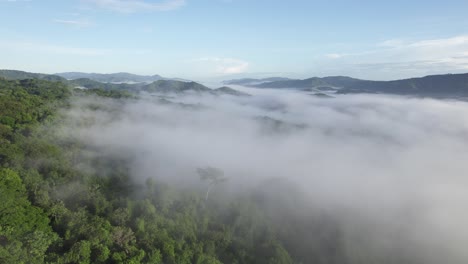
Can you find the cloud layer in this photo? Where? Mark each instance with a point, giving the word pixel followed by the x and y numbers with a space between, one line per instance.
pixel 394 169
pixel 403 57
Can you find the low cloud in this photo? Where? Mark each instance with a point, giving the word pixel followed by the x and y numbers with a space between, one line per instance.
pixel 392 168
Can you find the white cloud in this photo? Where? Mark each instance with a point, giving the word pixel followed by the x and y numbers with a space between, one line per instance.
pixel 15 1
pixel 226 65
pixel 81 23
pixel 334 55
pixel 396 58
pixel 391 43
pixel 131 6
pixel 391 169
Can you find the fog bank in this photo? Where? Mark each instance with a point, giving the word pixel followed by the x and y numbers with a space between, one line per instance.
pixel 392 169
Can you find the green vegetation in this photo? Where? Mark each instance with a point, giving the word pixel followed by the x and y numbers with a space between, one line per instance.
pixel 21 75
pixel 230 91
pixel 52 212
pixel 110 78
pixel 163 86
pixel 63 204
pixel 90 84
pixel 96 82
pixel 449 85
pixel 439 86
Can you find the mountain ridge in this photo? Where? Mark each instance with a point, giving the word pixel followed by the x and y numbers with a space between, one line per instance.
pixel 164 86
pixel 248 81
pixel 442 85
pixel 118 77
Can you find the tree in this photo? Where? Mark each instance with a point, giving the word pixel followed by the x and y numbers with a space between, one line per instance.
pixel 214 176
pixel 25 234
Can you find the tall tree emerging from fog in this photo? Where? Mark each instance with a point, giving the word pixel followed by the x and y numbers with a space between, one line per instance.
pixel 213 176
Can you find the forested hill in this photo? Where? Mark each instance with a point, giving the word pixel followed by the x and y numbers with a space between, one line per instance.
pixel 449 85
pixel 65 201
pixel 120 77
pixel 436 85
pixel 337 81
pixel 21 75
pixel 252 81
pixel 51 212
pixel 161 85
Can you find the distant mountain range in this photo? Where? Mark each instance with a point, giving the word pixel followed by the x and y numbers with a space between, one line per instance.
pixel 163 86
pixel 121 77
pixel 325 83
pixel 250 81
pixel 440 86
pixel 448 85
pixel 21 75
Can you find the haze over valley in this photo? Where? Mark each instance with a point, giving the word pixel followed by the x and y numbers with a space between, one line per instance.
pixel 237 132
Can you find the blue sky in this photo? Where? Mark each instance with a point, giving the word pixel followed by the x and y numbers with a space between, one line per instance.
pixel 221 39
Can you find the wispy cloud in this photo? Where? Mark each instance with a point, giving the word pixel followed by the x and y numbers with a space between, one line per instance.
pixel 405 57
pixel 15 1
pixel 431 43
pixel 80 23
pixel 333 55
pixel 226 65
pixel 132 6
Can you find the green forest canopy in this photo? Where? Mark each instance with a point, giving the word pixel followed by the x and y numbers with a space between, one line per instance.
pixel 51 212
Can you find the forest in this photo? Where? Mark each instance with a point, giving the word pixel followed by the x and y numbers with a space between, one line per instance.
pixel 51 212
pixel 63 201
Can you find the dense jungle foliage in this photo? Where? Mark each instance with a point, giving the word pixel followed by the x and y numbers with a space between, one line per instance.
pixel 52 211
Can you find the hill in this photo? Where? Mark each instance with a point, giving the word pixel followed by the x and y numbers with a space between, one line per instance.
pixel 229 91
pixel 435 85
pixel 21 75
pixel 121 77
pixel 251 81
pixel 314 82
pixel 448 85
pixel 161 86
pixel 167 86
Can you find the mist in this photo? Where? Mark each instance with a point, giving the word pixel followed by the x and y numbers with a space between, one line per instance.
pixel 390 170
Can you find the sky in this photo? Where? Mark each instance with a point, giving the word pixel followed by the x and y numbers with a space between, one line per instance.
pixel 225 39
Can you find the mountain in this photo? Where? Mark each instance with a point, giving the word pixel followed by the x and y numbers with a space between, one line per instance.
pixel 229 91
pixel 92 84
pixel 178 87
pixel 121 77
pixel 161 86
pixel 168 86
pixel 315 82
pixel 448 85
pixel 21 75
pixel 250 81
